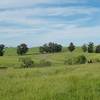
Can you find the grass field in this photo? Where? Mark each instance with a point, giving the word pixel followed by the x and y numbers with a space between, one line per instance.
pixel 56 82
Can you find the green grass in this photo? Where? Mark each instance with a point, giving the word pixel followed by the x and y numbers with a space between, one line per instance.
pixel 57 82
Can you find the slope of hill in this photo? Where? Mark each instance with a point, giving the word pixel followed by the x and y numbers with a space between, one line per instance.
pixel 56 82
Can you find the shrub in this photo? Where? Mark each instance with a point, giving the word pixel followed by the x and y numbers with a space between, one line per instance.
pixel 44 63
pixel 81 59
pixel 26 62
pixel 76 60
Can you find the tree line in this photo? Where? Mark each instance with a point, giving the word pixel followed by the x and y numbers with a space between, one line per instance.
pixel 53 48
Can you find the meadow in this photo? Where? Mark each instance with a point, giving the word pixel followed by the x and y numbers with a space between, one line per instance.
pixel 56 82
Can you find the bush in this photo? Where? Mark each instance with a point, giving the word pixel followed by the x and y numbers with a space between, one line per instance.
pixel 44 63
pixel 81 59
pixel 26 62
pixel 76 60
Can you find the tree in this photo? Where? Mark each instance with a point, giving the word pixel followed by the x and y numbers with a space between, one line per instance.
pixel 2 49
pixel 97 49
pixel 50 48
pixel 84 48
pixel 22 49
pixel 71 47
pixel 91 47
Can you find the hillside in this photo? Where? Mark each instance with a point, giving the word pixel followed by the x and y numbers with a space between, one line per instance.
pixel 56 82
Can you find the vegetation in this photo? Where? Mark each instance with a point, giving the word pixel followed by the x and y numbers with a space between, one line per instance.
pixel 50 48
pixel 26 62
pixel 84 48
pixel 81 59
pixel 22 49
pixel 78 82
pixel 71 47
pixel 50 76
pixel 91 47
pixel 97 49
pixel 2 49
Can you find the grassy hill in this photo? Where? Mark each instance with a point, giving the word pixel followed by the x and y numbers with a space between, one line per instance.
pixel 56 82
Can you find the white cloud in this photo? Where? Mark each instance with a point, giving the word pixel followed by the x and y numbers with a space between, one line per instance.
pixel 43 24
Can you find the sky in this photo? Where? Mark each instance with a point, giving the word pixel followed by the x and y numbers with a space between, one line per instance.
pixel 36 22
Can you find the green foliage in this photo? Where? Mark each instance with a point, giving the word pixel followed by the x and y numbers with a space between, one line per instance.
pixel 26 62
pixel 22 49
pixel 91 47
pixel 97 49
pixel 2 49
pixel 50 48
pixel 71 47
pixel 84 48
pixel 81 59
pixel 41 49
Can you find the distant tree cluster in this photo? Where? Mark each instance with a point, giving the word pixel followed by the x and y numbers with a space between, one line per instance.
pixel 53 48
pixel 50 48
pixel 88 47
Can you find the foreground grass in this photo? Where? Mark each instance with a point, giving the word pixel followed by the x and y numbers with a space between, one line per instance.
pixel 79 82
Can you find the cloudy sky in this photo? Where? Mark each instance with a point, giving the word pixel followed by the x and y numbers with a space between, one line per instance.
pixel 36 22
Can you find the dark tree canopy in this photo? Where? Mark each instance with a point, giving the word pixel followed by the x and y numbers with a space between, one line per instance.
pixel 97 49
pixel 22 49
pixel 91 47
pixel 71 47
pixel 50 48
pixel 2 49
pixel 84 48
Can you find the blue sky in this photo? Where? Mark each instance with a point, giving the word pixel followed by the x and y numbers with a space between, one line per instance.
pixel 36 22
